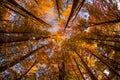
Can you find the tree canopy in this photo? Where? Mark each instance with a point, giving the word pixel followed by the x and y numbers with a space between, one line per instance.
pixel 59 40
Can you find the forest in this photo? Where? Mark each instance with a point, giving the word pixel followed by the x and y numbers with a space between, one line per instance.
pixel 59 40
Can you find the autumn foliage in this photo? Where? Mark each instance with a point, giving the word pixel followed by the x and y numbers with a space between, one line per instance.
pixel 59 40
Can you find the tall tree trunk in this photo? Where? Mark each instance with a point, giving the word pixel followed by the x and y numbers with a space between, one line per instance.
pixel 93 77
pixel 107 77
pixel 57 5
pixel 111 62
pixel 27 71
pixel 74 7
pixel 79 69
pixel 104 62
pixel 6 6
pixel 9 39
pixel 117 41
pixel 36 1
pixel 106 22
pixel 76 74
pixel 111 46
pixel 14 32
pixel 61 71
pixel 79 8
pixel 16 5
pixel 108 36
pixel 14 62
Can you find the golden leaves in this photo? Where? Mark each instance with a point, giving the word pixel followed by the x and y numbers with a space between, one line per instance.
pixel 45 6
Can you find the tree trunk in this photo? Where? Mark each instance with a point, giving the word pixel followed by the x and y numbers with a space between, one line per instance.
pixel 6 6
pixel 10 39
pixel 106 22
pixel 76 74
pixel 112 62
pixel 104 62
pixel 108 36
pixel 58 10
pixel 93 77
pixel 14 32
pixel 26 71
pixel 111 46
pixel 61 71
pixel 79 8
pixel 14 62
pixel 74 7
pixel 26 11
pixel 79 69
pixel 117 41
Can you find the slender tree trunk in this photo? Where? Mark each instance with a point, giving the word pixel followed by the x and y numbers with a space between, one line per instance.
pixel 107 77
pixel 76 74
pixel 26 71
pixel 106 22
pixel 74 7
pixel 104 62
pixel 79 69
pixel 27 12
pixel 57 5
pixel 14 62
pixel 93 77
pixel 19 39
pixel 117 41
pixel 79 8
pixel 36 1
pixel 108 36
pixel 14 32
pixel 6 6
pixel 62 71
pixel 111 46
pixel 112 62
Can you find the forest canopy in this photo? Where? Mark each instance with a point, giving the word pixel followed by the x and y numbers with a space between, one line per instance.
pixel 59 39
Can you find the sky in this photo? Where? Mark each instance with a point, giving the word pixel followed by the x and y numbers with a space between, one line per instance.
pixel 118 3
